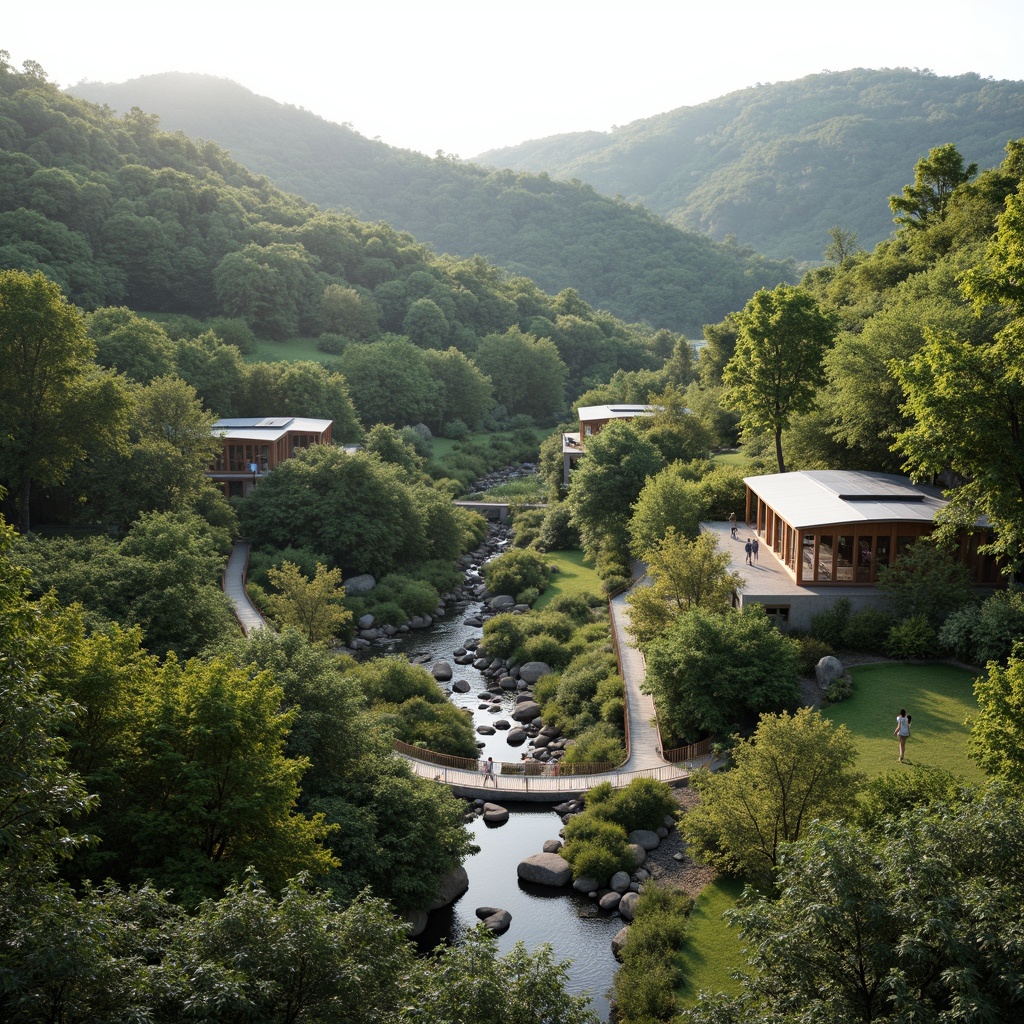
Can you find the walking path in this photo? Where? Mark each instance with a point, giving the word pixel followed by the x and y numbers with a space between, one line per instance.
pixel 645 756
pixel 233 584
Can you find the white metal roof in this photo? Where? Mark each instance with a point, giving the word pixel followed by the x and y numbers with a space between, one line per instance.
pixel 614 412
pixel 268 428
pixel 816 498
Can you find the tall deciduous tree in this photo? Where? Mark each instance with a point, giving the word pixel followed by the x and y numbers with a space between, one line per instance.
pixel 527 373
pixel 792 771
pixel 314 606
pixel 917 921
pixel 709 672
pixel 685 574
pixel 55 403
pixel 936 177
pixel 997 736
pixel 776 368
pixel 965 399
pixel 608 479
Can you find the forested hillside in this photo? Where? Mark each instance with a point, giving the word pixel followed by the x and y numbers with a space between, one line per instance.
pixel 559 234
pixel 779 165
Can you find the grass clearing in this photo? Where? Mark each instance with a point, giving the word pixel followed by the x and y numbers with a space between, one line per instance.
pixel 938 697
pixel 712 948
pixel 293 350
pixel 574 576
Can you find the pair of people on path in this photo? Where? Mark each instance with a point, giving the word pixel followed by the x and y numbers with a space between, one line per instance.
pixel 751 548
pixel 902 730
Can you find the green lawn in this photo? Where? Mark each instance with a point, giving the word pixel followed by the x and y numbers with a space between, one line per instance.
pixel 293 350
pixel 939 699
pixel 573 576
pixel 712 950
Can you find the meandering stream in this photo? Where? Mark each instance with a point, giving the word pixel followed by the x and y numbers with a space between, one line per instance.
pixel 569 922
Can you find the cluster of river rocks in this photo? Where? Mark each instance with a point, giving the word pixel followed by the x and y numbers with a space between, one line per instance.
pixel 616 896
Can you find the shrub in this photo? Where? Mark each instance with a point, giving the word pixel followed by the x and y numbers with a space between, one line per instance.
pixel 417 597
pixel 528 596
pixel 590 860
pixel 543 647
pixel 503 634
pixel 332 344
pixel 455 430
pixel 514 571
pixel 868 630
pixel 645 984
pixel 527 523
pixel 986 632
pixel 912 637
pixel 811 652
pixel 614 712
pixel 839 689
pixel 644 803
pixel 601 743
pixel 575 606
pixel 830 625
pixel 596 848
pixel 557 532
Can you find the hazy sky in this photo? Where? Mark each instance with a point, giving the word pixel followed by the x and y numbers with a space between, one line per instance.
pixel 464 77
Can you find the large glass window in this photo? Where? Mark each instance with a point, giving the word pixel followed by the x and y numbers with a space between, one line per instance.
pixel 864 559
pixel 824 558
pixel 881 551
pixel 844 559
pixel 807 557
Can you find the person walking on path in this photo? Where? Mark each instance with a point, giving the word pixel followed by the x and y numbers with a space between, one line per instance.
pixel 749 548
pixel 754 546
pixel 488 770
pixel 902 730
pixel 732 524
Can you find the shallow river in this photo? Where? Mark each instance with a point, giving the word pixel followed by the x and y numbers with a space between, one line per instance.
pixel 560 917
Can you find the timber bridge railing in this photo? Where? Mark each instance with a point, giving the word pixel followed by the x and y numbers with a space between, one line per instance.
pixel 552 781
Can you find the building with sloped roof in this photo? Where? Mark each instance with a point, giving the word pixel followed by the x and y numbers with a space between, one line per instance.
pixel 824 534
pixel 253 446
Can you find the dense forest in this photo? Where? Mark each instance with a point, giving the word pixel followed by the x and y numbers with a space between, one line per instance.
pixel 777 165
pixel 558 234
pixel 200 826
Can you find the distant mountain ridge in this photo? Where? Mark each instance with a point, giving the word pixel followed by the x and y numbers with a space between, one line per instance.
pixel 778 165
pixel 559 234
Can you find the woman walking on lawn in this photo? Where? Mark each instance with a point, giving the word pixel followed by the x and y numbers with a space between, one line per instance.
pixel 902 730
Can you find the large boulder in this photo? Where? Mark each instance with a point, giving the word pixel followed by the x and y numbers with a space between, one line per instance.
pixel 639 854
pixel 610 901
pixel 545 869
pixel 620 881
pixel 586 885
pixel 645 838
pixel 495 814
pixel 441 671
pixel 501 603
pixel 359 584
pixel 533 670
pixel 527 711
pixel 619 940
pixel 828 670
pixel 451 887
pixel 627 905
pixel 495 918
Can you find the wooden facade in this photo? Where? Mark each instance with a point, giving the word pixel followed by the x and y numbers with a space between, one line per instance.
pixel 254 447
pixel 850 552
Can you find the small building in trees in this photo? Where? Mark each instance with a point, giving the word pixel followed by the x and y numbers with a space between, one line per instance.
pixel 252 447
pixel 592 418
pixel 824 534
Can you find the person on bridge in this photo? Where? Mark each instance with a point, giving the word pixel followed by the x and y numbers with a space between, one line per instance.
pixel 488 770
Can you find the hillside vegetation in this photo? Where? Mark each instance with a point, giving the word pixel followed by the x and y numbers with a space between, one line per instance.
pixel 778 165
pixel 559 234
